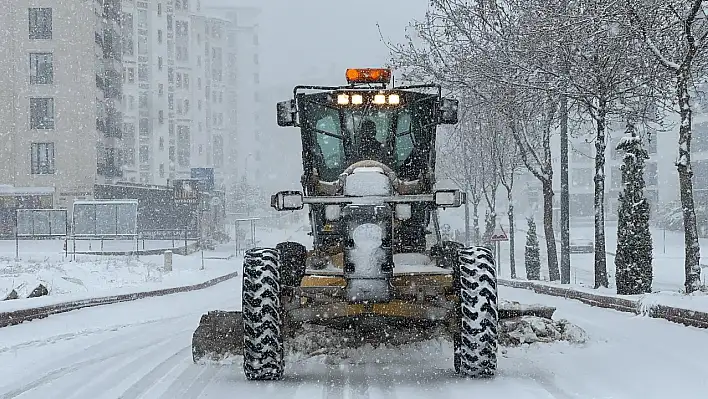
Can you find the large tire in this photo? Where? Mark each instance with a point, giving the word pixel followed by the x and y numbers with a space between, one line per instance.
pixel 476 340
pixel 263 352
pixel 292 262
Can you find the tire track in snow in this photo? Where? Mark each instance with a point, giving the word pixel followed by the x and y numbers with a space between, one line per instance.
pixel 115 373
pixel 62 371
pixel 157 375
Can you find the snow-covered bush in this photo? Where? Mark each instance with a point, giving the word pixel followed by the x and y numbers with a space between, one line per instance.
pixel 532 253
pixel 634 245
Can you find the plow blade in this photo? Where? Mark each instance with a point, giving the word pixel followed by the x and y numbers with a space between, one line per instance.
pixel 220 334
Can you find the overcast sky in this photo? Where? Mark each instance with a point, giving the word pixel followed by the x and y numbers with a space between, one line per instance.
pixel 315 41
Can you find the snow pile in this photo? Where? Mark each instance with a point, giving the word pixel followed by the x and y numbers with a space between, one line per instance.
pixel 366 181
pixel 64 277
pixel 367 281
pixel 357 345
pixel 532 329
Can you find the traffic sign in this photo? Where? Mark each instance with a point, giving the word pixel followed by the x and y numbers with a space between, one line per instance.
pixel 500 237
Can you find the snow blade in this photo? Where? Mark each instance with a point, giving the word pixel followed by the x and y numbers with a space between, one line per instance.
pixel 220 334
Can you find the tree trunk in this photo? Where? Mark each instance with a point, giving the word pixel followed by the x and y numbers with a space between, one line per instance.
pixel 564 194
pixel 490 222
pixel 600 256
pixel 691 244
pixel 475 222
pixel 553 273
pixel 512 258
pixel 467 223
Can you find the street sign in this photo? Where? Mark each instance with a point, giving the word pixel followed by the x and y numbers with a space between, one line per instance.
pixel 186 191
pixel 499 235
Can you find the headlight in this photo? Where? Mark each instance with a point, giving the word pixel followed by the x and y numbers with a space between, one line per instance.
pixel 394 99
pixel 357 99
pixel 380 99
pixel 343 99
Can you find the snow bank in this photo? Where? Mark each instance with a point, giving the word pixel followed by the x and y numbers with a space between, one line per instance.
pixel 96 276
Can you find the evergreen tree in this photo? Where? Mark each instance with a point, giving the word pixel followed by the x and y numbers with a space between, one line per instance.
pixel 634 244
pixel 532 253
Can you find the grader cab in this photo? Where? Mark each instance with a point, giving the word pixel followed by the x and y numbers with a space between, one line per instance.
pixel 378 261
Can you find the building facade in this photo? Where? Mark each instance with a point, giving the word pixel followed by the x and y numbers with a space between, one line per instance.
pixel 60 98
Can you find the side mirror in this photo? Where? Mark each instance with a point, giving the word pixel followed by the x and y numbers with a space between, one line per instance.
pixel 450 198
pixel 448 111
pixel 287 201
pixel 286 113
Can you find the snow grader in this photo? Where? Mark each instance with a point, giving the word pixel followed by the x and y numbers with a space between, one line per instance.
pixel 378 261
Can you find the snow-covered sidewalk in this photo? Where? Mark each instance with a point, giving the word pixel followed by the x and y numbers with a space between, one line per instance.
pixel 92 276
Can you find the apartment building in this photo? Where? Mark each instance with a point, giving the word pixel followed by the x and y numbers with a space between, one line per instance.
pixel 179 90
pixel 242 121
pixel 60 100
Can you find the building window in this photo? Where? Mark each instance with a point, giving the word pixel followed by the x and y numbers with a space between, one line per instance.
pixel 142 45
pixel 162 143
pixel 159 63
pixel 143 74
pixel 160 89
pixel 40 23
pixel 159 9
pixel 171 101
pixel 43 158
pixel 170 75
pixel 183 144
pixel 131 75
pixel 41 113
pixel 172 153
pixel 169 22
pixel 162 170
pixel 186 81
pixel 142 19
pixel 128 46
pixel 143 100
pixel 161 116
pixel 171 128
pixel 144 127
pixel 178 79
pixel 218 151
pixel 186 106
pixel 144 154
pixel 159 36
pixel 41 69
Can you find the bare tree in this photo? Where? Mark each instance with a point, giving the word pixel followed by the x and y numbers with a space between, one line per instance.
pixel 461 164
pixel 508 158
pixel 675 33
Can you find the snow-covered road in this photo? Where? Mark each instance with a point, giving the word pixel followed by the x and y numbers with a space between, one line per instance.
pixel 141 349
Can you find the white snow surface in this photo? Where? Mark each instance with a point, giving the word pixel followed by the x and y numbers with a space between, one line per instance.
pixel 367 256
pixel 367 181
pixel 141 349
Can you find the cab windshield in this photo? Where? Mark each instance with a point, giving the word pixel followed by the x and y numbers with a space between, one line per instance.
pixel 397 137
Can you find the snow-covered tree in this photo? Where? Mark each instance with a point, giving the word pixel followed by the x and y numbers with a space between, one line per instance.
pixel 532 253
pixel 634 244
pixel 675 34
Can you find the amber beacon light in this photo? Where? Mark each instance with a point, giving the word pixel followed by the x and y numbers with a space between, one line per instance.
pixel 368 75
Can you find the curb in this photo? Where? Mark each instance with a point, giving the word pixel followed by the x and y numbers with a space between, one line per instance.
pixel 686 317
pixel 19 316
